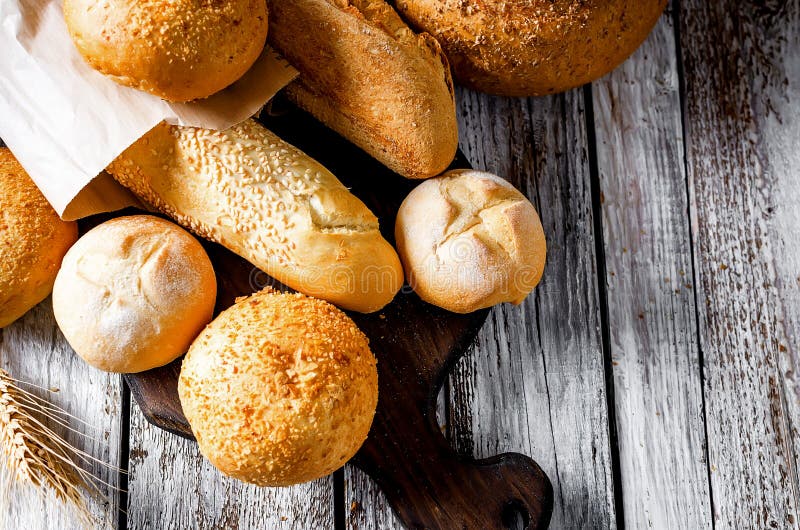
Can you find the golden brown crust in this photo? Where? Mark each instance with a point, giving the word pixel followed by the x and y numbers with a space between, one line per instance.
pixel 33 240
pixel 366 75
pixel 133 293
pixel 470 240
pixel 178 50
pixel 279 389
pixel 270 203
pixel 533 47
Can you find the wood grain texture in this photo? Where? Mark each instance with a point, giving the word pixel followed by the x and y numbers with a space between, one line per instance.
pixel 535 381
pixel 651 303
pixel 33 350
pixel 172 487
pixel 742 75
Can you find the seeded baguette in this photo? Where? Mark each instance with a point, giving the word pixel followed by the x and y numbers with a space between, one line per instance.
pixel 365 74
pixel 269 202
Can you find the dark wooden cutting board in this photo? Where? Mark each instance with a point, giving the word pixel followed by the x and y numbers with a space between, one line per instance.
pixel 426 482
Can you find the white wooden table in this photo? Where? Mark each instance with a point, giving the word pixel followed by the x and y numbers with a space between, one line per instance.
pixel 652 374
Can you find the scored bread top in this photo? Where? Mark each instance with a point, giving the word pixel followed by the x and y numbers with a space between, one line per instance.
pixel 468 240
pixel 381 15
pixel 146 289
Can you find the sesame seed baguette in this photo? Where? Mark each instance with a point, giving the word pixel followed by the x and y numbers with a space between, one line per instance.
pixel 269 202
pixel 365 74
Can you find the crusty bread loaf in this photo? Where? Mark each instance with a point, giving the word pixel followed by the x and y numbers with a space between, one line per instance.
pixel 133 293
pixel 533 47
pixel 178 50
pixel 469 240
pixel 33 240
pixel 366 75
pixel 270 203
pixel 279 389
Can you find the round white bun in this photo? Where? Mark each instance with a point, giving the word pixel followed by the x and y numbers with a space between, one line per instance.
pixel 469 240
pixel 133 293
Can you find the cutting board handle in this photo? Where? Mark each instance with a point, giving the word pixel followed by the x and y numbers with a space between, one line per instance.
pixel 445 491
pixel 427 484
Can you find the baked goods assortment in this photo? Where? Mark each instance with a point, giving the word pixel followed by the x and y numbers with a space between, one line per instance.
pixel 533 47
pixel 367 76
pixel 282 388
pixel 179 50
pixel 133 293
pixel 279 389
pixel 33 241
pixel 469 240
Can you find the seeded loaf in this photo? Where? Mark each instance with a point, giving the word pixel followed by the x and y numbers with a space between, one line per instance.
pixel 178 50
pixel 366 75
pixel 279 389
pixel 270 203
pixel 533 47
pixel 33 240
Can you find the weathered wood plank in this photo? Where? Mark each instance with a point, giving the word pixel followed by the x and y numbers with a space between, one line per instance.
pixel 535 381
pixel 171 486
pixel 651 303
pixel 742 75
pixel 33 350
pixel 366 508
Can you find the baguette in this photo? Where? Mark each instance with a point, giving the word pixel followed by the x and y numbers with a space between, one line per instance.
pixel 366 75
pixel 269 202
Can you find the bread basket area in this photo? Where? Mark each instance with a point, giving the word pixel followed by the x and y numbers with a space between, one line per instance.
pixel 423 264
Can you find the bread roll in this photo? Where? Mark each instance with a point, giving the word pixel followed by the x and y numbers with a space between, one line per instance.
pixel 533 47
pixel 133 293
pixel 366 75
pixel 279 389
pixel 470 240
pixel 178 50
pixel 33 240
pixel 270 203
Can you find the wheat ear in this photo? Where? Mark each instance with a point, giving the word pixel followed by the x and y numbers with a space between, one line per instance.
pixel 37 455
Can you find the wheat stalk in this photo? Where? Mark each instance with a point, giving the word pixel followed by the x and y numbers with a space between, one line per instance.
pixel 37 455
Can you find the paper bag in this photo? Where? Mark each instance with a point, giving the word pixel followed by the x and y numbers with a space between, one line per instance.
pixel 65 122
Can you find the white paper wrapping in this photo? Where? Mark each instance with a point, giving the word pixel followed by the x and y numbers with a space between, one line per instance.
pixel 65 122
